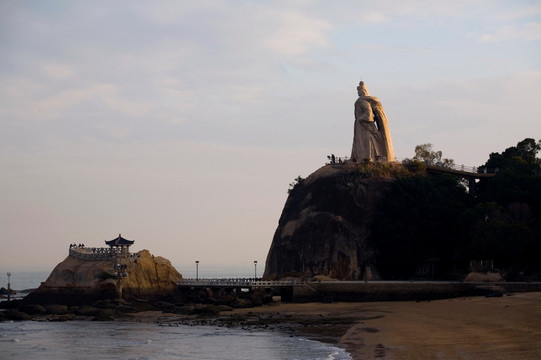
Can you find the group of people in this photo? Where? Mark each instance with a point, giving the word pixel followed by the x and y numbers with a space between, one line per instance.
pixel 333 159
pixel 77 246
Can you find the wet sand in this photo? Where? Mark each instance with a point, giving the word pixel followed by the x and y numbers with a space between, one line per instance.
pixel 507 327
pixel 472 328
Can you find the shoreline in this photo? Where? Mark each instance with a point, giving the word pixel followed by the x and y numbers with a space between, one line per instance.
pixel 477 328
pixel 467 328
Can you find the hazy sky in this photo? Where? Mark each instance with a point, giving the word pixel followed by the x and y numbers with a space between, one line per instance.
pixel 180 124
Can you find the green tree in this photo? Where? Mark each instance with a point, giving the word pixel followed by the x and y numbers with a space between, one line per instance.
pixel 295 184
pixel 519 159
pixel 420 219
pixel 508 228
pixel 426 154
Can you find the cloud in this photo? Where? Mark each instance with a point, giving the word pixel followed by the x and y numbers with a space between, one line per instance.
pixel 41 107
pixel 297 34
pixel 247 94
pixel 167 12
pixel 58 71
pixel 375 17
pixel 519 11
pixel 528 32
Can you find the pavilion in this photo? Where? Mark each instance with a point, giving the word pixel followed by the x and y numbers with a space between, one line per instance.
pixel 121 245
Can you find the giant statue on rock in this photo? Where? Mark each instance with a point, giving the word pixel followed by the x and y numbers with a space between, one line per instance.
pixel 371 137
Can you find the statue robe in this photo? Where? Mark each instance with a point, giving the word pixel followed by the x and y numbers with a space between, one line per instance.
pixel 371 137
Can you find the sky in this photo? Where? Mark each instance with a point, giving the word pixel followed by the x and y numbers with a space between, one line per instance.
pixel 180 124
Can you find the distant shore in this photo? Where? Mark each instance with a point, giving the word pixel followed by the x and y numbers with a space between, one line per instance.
pixel 507 327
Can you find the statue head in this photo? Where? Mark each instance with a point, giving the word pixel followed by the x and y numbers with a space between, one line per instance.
pixel 362 90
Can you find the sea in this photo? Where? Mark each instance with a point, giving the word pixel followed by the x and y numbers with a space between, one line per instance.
pixel 81 340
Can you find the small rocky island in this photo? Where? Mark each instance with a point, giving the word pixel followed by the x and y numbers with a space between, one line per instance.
pixel 92 273
pixel 108 283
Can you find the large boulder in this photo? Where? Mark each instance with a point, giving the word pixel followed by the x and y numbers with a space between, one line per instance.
pixel 325 223
pixel 150 275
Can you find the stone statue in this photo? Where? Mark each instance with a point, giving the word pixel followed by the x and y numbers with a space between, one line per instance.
pixel 371 137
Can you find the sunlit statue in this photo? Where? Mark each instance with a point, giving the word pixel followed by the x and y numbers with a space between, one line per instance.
pixel 371 137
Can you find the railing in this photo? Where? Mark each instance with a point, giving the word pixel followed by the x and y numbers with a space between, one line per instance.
pixel 99 253
pixel 459 167
pixel 237 283
pixel 464 168
pixel 85 253
pixel 451 166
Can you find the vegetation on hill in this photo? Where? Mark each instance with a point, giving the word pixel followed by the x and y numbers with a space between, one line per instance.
pixel 430 223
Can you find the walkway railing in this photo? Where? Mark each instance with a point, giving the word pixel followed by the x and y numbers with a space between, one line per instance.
pixel 237 283
pixel 85 253
pixel 99 253
pixel 451 166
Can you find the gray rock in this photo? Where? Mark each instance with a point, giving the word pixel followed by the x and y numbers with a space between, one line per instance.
pixel 87 310
pixel 16 315
pixel 33 309
pixel 57 309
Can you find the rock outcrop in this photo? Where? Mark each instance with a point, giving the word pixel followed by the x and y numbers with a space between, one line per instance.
pixel 76 280
pixel 325 223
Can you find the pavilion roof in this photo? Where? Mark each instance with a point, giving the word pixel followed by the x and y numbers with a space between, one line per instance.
pixel 119 241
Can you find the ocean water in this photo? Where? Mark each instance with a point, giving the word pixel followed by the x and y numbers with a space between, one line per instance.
pixel 131 340
pixel 124 340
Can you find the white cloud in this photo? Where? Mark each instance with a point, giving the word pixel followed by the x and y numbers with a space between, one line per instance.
pixel 519 11
pixel 530 31
pixel 247 94
pixel 54 106
pixel 297 34
pixel 58 71
pixel 109 94
pixel 170 11
pixel 375 17
pixel 39 107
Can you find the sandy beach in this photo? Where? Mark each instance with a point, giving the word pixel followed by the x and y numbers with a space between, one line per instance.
pixel 507 327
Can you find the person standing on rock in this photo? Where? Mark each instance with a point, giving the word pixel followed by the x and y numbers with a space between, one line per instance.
pixel 371 137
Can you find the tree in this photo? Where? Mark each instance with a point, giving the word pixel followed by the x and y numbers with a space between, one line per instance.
pixel 509 227
pixel 430 219
pixel 425 153
pixel 295 184
pixel 520 159
pixel 420 219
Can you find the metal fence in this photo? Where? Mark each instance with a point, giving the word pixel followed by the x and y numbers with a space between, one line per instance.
pixel 237 283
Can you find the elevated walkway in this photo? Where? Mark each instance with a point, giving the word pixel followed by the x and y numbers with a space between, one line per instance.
pixel 100 253
pixel 329 291
pixel 235 283
pixel 461 170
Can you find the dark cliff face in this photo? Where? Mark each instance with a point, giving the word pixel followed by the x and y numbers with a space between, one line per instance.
pixel 325 223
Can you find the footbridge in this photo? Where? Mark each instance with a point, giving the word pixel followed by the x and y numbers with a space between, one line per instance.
pixel 283 288
pixel 329 291
pixel 236 283
pixel 462 170
pixel 470 173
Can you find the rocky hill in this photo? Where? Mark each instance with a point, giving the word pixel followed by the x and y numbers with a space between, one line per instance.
pixel 76 280
pixel 325 223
